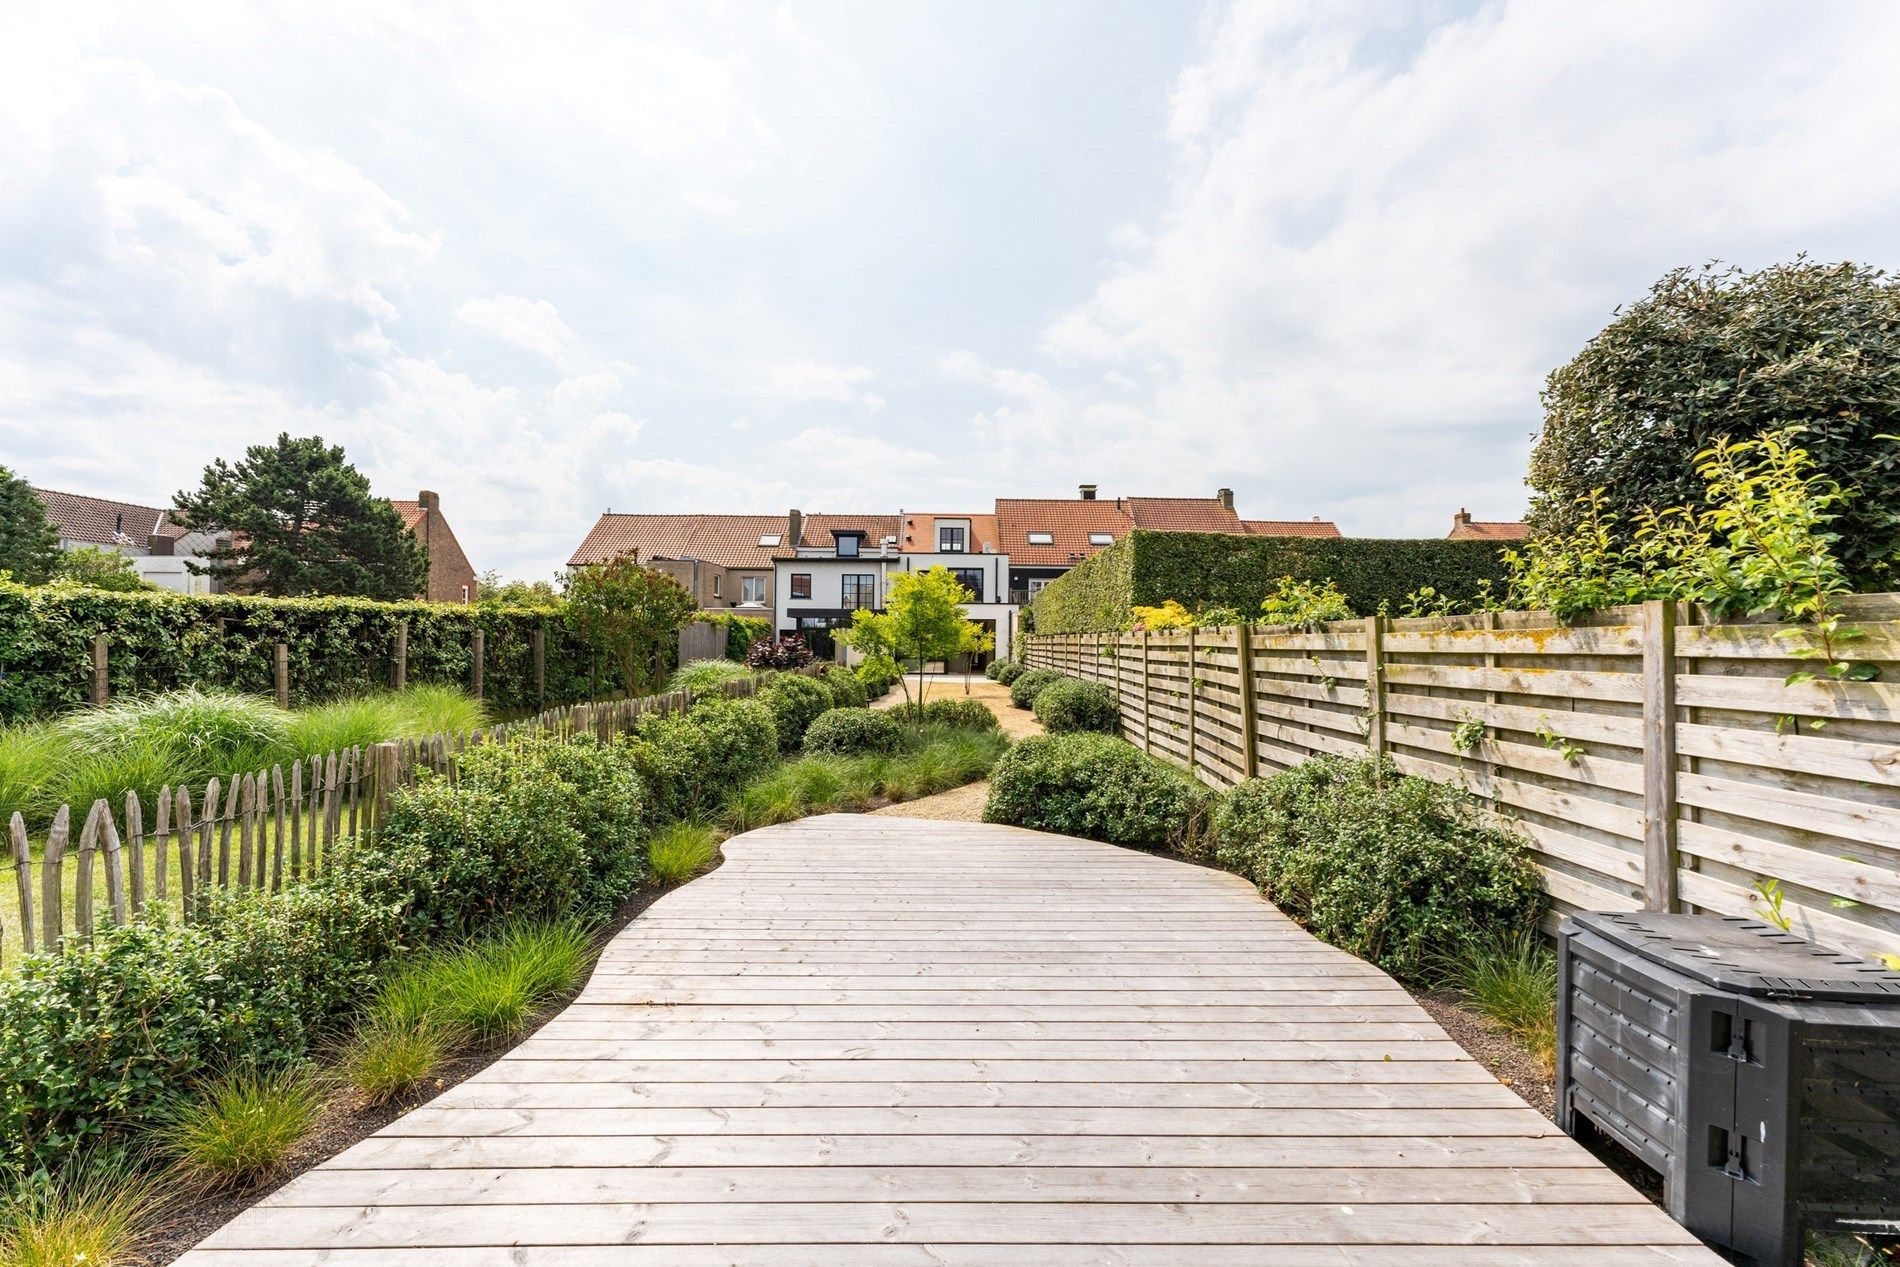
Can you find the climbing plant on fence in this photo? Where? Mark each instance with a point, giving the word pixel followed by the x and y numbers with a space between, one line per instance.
pixel 335 646
pixel 1214 569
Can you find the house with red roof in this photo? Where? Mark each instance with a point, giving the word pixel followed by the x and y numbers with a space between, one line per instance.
pixel 1465 528
pixel 451 575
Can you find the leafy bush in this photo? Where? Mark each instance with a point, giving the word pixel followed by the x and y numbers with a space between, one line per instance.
pixel 1304 604
pixel 1072 705
pixel 1023 691
pixel 848 731
pixel 1392 868
pixel 879 674
pixel 787 651
pixel 690 765
pixel 1099 788
pixel 847 689
pixel 240 1127
pixel 1007 671
pixel 680 851
pixel 795 701
pixel 960 714
pixel 93 1041
pixel 705 675
pixel 991 669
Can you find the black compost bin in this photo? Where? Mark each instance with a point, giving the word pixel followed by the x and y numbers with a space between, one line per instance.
pixel 1758 1072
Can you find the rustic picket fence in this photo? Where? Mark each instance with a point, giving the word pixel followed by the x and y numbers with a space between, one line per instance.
pixel 262 829
pixel 1655 759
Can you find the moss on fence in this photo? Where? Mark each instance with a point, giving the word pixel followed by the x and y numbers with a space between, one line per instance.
pixel 336 646
pixel 1212 569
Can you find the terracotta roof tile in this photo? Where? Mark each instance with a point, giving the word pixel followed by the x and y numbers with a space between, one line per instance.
pixel 1488 530
pixel 819 527
pixel 1183 514
pixel 727 540
pixel 918 538
pixel 1068 520
pixel 100 520
pixel 1290 528
pixel 411 512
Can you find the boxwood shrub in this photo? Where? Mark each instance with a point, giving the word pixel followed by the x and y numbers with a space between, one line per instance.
pixel 1097 787
pixel 1007 671
pixel 1074 705
pixel 847 691
pixel 795 701
pixel 1392 868
pixel 1023 691
pixel 850 731
pixel 690 765
pixel 964 714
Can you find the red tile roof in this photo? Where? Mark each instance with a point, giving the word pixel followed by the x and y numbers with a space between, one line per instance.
pixel 728 540
pixel 100 520
pixel 1465 528
pixel 919 537
pixel 818 528
pixel 1290 528
pixel 1069 520
pixel 1183 514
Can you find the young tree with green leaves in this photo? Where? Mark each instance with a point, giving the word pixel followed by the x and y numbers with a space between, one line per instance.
pixel 1716 353
pixel 29 544
pixel 300 521
pixel 98 568
pixel 630 615
pixel 922 620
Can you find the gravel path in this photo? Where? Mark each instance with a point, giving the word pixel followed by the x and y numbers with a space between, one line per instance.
pixel 964 804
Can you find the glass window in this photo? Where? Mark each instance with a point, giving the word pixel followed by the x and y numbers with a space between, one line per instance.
pixel 951 540
pixel 1035 585
pixel 716 593
pixel 848 545
pixel 860 589
pixel 1101 538
pixel 970 579
pixel 771 538
pixel 752 589
pixel 1042 538
pixel 801 585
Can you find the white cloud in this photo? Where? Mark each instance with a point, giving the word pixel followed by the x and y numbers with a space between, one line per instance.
pixel 534 324
pixel 801 380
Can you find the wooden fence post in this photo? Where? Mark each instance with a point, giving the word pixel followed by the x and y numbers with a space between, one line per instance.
pixel 1147 699
pixel 400 676
pixel 1659 756
pixel 101 680
pixel 385 775
pixel 540 643
pixel 1249 724
pixel 475 678
pixel 1193 698
pixel 1375 686
pixel 280 672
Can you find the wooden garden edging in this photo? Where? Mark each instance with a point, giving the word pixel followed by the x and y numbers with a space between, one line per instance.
pixel 263 829
pixel 1652 758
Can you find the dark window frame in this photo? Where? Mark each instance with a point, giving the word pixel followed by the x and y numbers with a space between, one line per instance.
pixel 970 579
pixel 961 535
pixel 856 540
pixel 857 582
pixel 801 585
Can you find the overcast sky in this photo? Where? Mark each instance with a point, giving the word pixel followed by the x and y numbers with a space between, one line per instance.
pixel 552 259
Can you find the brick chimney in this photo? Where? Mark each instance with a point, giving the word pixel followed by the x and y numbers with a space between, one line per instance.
pixel 1462 519
pixel 1225 496
pixel 1088 492
pixel 429 501
pixel 794 528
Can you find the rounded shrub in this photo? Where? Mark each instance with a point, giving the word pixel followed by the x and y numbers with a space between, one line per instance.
pixel 1023 691
pixel 850 731
pixel 963 714
pixel 1097 787
pixel 1071 705
pixel 1007 671
pixel 1396 869
pixel 847 691
pixel 795 701
pixel 690 765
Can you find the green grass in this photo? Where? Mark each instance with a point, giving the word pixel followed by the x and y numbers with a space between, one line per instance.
pixel 91 1214
pixel 489 989
pixel 680 851
pixel 934 759
pixel 240 1129
pixel 386 1060
pixel 1513 982
pixel 704 675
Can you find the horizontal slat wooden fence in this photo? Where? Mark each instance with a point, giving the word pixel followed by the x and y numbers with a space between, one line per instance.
pixel 1654 759
pixel 262 829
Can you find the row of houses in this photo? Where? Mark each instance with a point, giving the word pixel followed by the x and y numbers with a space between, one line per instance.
pixel 810 571
pixel 161 550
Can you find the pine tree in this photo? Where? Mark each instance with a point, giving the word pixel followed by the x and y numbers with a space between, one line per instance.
pixel 29 544
pixel 301 520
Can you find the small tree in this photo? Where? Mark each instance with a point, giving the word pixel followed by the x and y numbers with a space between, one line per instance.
pixel 29 544
pixel 495 592
pixel 922 620
pixel 630 616
pixel 301 520
pixel 100 569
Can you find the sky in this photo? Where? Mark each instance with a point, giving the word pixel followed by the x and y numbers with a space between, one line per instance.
pixel 551 259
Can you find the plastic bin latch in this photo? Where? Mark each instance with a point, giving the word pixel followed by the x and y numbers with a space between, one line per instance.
pixel 1728 1150
pixel 1731 1035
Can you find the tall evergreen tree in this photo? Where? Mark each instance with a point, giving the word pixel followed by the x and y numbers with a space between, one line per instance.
pixel 29 544
pixel 302 521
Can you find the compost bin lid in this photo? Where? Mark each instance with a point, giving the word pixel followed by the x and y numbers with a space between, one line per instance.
pixel 1746 956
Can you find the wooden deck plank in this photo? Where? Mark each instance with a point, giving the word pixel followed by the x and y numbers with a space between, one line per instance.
pixel 874 1040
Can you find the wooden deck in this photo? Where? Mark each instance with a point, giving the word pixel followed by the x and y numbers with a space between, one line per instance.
pixel 876 1040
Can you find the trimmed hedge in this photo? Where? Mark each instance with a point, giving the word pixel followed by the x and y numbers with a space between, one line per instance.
pixel 1073 705
pixel 1100 788
pixel 1214 569
pixel 1023 691
pixel 1394 868
pixel 338 646
pixel 851 731
pixel 964 714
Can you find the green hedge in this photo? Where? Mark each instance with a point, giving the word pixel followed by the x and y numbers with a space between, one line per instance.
pixel 338 646
pixel 1215 569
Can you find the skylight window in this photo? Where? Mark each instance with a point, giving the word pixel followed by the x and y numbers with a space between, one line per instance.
pixel 771 538
pixel 1042 538
pixel 1101 538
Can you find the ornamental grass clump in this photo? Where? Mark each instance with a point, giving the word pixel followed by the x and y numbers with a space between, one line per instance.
pixel 706 675
pixel 1394 868
pixel 87 1212
pixel 385 1061
pixel 680 851
pixel 1512 979
pixel 240 1128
